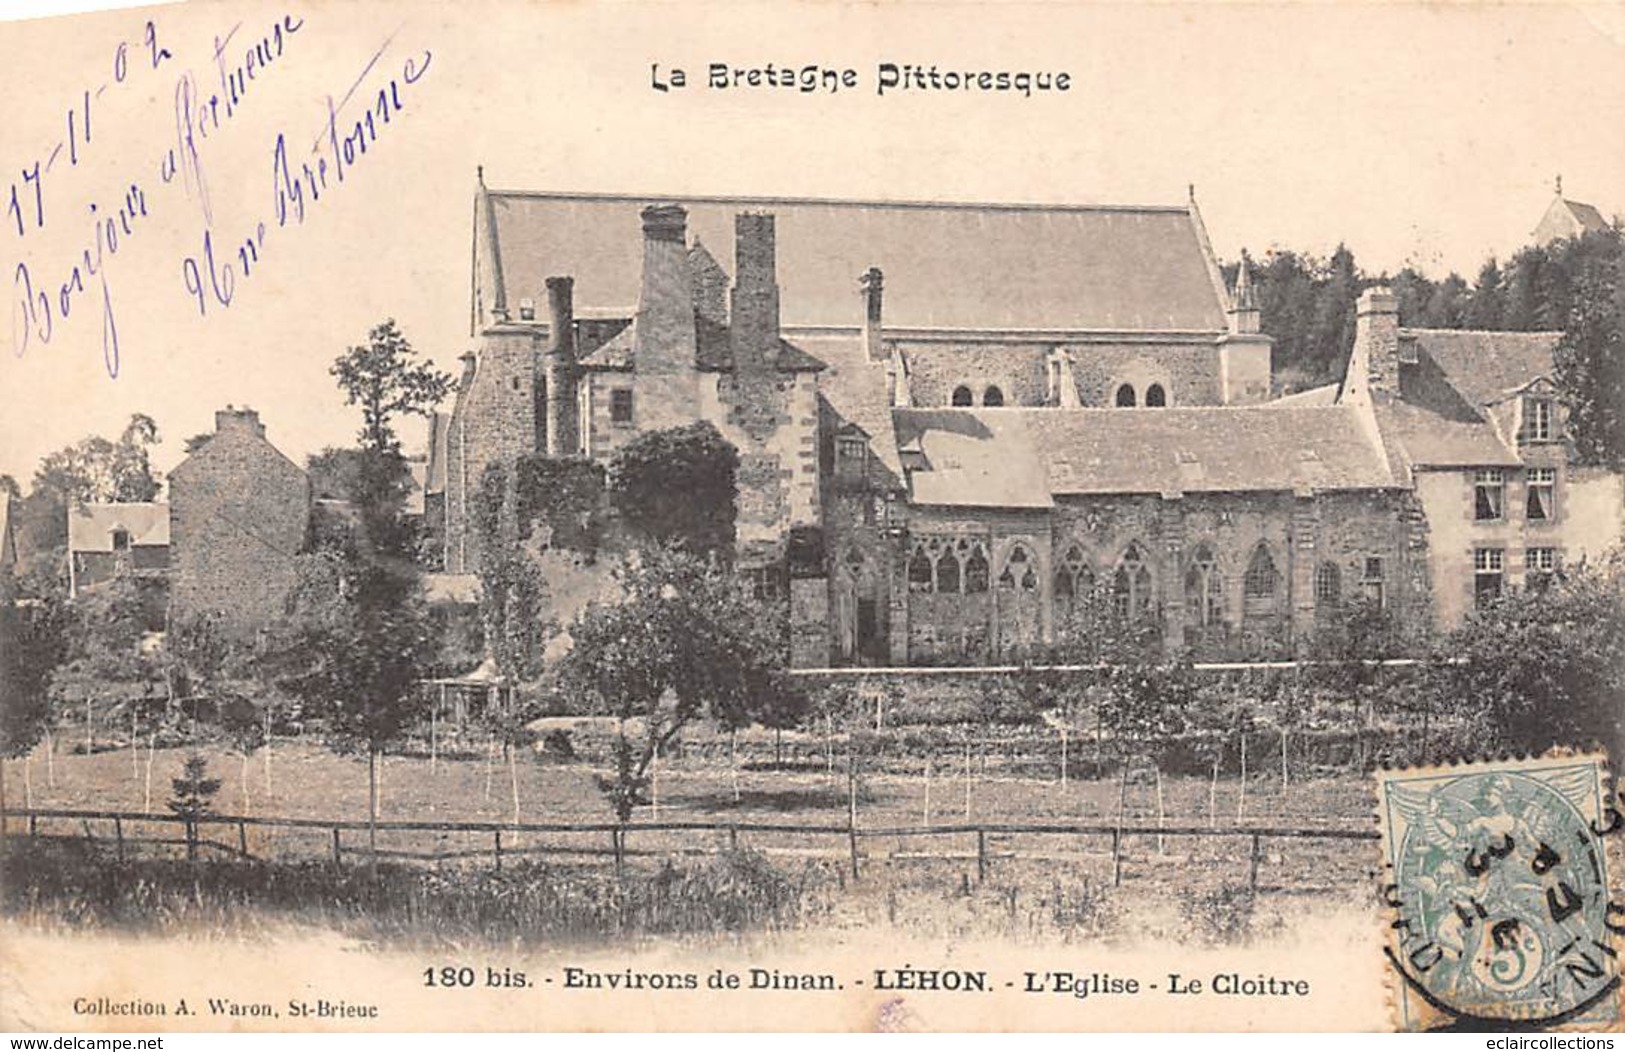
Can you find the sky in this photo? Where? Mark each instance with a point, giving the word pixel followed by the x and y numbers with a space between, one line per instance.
pixel 1426 135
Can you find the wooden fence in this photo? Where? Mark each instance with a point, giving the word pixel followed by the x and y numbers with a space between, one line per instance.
pixel 615 838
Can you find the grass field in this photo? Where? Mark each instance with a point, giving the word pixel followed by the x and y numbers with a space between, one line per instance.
pixel 305 780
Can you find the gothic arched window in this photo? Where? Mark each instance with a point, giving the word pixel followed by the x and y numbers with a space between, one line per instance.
pixel 962 396
pixel 920 576
pixel 1125 396
pixel 1020 570
pixel 1155 396
pixel 1204 588
pixel 976 568
pixel 948 574
pixel 1131 585
pixel 1260 582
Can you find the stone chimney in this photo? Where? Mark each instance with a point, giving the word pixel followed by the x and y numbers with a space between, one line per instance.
pixel 873 284
pixel 244 421
pixel 665 323
pixel 560 359
pixel 1376 338
pixel 1244 316
pixel 754 318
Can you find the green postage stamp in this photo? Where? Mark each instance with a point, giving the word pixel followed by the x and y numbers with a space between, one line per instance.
pixel 1503 904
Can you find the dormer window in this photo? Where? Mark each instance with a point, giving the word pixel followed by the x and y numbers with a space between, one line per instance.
pixel 121 540
pixel 1537 419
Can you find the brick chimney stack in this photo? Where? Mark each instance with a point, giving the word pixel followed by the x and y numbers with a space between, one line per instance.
pixel 754 325
pixel 873 284
pixel 1376 334
pixel 560 359
pixel 665 323
pixel 244 421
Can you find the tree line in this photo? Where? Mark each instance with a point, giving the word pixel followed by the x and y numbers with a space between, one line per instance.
pixel 1573 286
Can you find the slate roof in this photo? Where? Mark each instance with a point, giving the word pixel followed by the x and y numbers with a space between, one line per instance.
pixel 1025 457
pixel 852 390
pixel 1326 395
pixel 1487 366
pixel 1587 216
pixel 1440 418
pixel 956 266
pixel 91 526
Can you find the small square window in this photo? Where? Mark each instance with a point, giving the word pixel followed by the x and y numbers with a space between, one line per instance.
pixel 620 406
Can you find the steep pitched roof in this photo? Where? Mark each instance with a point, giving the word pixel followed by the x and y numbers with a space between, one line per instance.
pixel 1587 216
pixel 91 526
pixel 956 266
pixel 1486 366
pixel 1025 457
pixel 853 391
pixel 1326 395
pixel 1445 384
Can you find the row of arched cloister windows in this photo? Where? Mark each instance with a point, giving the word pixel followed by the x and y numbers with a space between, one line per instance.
pixel 1156 396
pixel 964 396
pixel 961 566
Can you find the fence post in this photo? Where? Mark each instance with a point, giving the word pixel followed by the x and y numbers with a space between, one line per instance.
pixel 981 855
pixel 338 851
pixel 733 839
pixel 33 825
pixel 1117 857
pixel 1252 879
pixel 498 851
pixel 242 837
pixel 852 810
pixel 118 834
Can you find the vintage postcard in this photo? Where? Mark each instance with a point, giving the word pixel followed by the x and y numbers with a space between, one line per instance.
pixel 812 516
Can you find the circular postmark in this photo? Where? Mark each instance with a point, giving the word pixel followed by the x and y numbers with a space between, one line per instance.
pixel 1501 911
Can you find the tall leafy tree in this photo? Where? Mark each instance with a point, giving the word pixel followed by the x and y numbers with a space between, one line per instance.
pixel 386 379
pixel 1590 359
pixel 353 650
pixel 1485 306
pixel 94 469
pixel 684 641
pixel 34 640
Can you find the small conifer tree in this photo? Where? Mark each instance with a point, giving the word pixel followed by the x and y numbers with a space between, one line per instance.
pixel 194 794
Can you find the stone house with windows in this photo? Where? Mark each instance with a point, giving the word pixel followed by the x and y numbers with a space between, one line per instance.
pixel 965 428
pixel 1472 425
pixel 239 514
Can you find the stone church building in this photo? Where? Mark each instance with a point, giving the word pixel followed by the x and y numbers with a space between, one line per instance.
pixel 964 430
